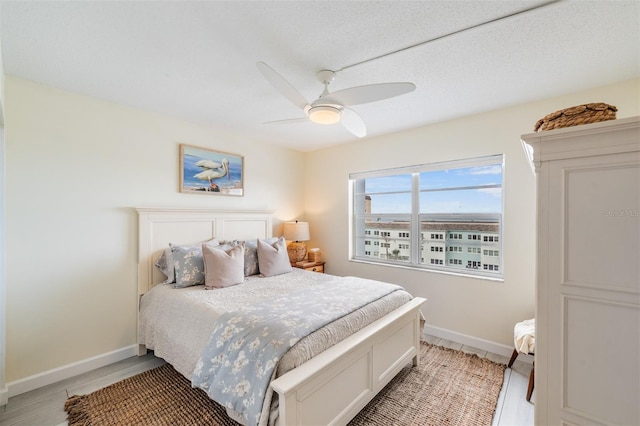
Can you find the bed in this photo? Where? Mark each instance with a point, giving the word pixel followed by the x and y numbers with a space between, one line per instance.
pixel 313 384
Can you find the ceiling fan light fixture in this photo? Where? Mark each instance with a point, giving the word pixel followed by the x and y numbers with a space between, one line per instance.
pixel 324 114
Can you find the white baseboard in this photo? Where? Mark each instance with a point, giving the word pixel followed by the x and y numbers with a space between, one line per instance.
pixel 4 396
pixel 61 373
pixel 485 345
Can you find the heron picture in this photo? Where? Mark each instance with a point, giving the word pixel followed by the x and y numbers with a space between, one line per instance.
pixel 205 171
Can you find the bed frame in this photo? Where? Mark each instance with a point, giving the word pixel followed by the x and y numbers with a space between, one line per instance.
pixel 332 387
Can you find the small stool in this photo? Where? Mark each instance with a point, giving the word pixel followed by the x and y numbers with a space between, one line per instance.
pixel 524 338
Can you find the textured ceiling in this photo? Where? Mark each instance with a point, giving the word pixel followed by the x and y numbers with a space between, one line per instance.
pixel 197 60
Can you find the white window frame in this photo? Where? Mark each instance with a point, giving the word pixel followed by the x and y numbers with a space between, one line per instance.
pixel 415 218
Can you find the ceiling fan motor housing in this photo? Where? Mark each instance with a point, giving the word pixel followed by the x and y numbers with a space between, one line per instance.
pixel 326 76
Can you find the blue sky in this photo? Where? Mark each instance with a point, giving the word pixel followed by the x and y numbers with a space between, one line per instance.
pixel 477 200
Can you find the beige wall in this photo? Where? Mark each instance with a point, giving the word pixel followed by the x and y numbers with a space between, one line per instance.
pixel 469 306
pixel 76 168
pixel 3 269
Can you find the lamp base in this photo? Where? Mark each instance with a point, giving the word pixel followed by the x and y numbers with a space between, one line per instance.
pixel 296 251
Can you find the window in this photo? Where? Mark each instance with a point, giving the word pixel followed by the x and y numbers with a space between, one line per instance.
pixel 473 264
pixel 426 206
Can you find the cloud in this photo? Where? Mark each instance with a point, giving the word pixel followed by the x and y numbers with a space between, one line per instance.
pixel 487 170
pixel 496 192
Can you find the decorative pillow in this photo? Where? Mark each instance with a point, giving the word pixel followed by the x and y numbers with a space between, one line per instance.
pixel 188 264
pixel 251 266
pixel 223 268
pixel 273 258
pixel 165 265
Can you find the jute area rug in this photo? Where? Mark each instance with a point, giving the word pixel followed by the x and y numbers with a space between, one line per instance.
pixel 448 388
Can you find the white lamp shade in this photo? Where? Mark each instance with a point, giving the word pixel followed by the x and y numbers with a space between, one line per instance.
pixel 296 231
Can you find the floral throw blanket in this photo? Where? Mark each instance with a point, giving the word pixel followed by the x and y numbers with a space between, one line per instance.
pixel 242 355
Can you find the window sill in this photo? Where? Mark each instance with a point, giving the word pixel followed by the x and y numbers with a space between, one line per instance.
pixel 497 279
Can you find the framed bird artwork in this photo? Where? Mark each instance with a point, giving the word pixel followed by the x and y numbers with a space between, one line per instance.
pixel 205 171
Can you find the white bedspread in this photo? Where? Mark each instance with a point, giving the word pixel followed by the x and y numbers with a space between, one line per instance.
pixel 177 323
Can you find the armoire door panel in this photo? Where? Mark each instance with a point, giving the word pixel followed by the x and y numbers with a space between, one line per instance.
pixel 595 368
pixel 602 226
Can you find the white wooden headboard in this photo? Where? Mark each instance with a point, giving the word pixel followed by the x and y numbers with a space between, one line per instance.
pixel 157 227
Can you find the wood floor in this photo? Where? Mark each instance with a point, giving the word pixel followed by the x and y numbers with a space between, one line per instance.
pixel 44 406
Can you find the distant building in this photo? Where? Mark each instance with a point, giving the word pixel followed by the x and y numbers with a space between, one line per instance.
pixel 456 241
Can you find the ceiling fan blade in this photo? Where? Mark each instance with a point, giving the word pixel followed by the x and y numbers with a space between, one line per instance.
pixel 289 121
pixel 369 93
pixel 353 123
pixel 283 86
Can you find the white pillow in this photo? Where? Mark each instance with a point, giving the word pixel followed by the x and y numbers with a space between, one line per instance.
pixel 273 259
pixel 223 268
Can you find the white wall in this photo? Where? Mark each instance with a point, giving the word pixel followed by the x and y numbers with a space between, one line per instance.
pixel 76 168
pixel 3 390
pixel 468 306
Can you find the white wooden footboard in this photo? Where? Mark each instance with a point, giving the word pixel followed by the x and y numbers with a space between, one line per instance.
pixel 332 387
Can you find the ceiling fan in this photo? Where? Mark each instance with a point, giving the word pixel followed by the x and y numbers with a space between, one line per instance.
pixel 332 108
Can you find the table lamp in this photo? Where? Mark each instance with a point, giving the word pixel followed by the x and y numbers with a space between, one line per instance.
pixel 296 232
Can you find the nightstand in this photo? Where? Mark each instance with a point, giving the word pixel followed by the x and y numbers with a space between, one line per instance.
pixel 311 266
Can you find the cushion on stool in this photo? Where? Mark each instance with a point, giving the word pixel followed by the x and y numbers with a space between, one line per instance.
pixel 524 336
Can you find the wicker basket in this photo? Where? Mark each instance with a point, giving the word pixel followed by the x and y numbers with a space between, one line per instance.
pixel 574 116
pixel 314 256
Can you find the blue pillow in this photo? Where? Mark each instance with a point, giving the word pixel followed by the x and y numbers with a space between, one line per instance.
pixel 251 265
pixel 165 265
pixel 189 264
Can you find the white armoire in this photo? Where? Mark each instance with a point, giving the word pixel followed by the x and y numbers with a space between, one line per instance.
pixel 587 358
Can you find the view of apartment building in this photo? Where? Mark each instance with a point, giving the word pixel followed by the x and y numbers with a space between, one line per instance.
pixel 460 241
pixel 464 243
